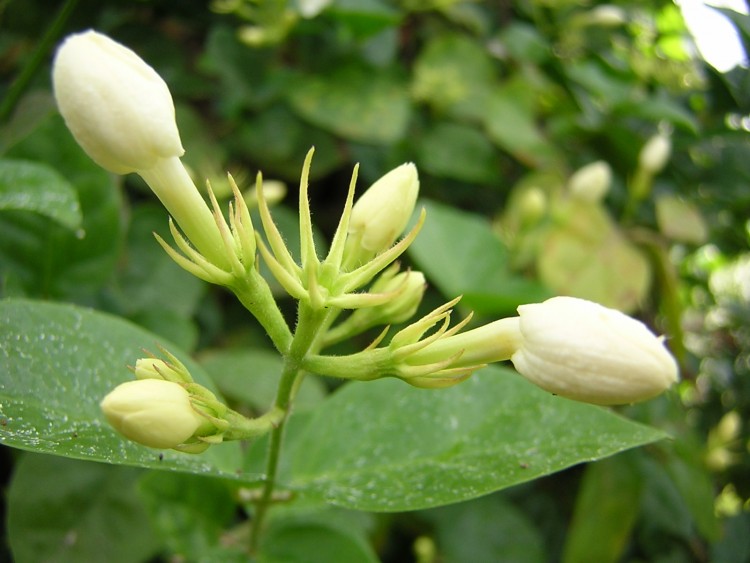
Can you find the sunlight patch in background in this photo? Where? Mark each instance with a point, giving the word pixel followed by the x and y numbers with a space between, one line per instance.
pixel 715 36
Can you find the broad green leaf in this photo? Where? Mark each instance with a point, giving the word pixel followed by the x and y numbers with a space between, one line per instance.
pixel 354 102
pixel 57 362
pixel 474 264
pixel 685 465
pixel 364 18
pixel 680 220
pixel 486 529
pixel 279 139
pixel 150 289
pixel 451 150
pixel 252 377
pixel 586 255
pixel 32 186
pixel 313 542
pixel 66 510
pixel 454 74
pixel 512 127
pixel 384 446
pixel 191 514
pixel 607 506
pixel 50 260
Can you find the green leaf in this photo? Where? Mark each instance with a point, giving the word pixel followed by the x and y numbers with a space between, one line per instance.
pixel 512 126
pixel 354 102
pixel 451 150
pixel 50 260
pixel 66 510
pixel 32 186
pixel 607 506
pixel 486 529
pixel 252 377
pixel 150 288
pixel 57 363
pixel 384 446
pixel 586 255
pixel 313 542
pixel 191 514
pixel 474 264
pixel 454 74
pixel 364 18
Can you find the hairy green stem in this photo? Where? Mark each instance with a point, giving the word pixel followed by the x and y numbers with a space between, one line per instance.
pixel 254 293
pixel 309 323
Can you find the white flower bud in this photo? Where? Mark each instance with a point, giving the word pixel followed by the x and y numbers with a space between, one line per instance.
pixel 152 412
pixel 591 182
pixel 655 153
pixel 117 107
pixel 584 351
pixel 381 214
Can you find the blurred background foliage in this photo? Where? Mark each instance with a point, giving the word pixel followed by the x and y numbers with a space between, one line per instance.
pixel 498 104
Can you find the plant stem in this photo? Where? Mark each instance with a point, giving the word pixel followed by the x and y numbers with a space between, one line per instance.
pixel 308 324
pixel 257 298
pixel 23 79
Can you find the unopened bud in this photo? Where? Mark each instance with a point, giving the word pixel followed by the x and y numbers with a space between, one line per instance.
pixel 655 153
pixel 117 107
pixel 591 182
pixel 381 214
pixel 152 412
pixel 584 351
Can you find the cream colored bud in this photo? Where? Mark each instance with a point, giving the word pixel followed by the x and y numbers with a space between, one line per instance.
pixel 607 15
pixel 381 214
pixel 584 351
pixel 655 153
pixel 591 182
pixel 410 287
pixel 117 107
pixel 152 412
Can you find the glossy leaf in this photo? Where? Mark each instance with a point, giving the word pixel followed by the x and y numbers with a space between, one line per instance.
pixel 50 260
pixel 451 150
pixel 486 529
pixel 56 363
pixel 474 264
pixel 32 186
pixel 251 376
pixel 314 542
pixel 354 102
pixel 66 510
pixel 606 509
pixel 431 448
pixel 191 514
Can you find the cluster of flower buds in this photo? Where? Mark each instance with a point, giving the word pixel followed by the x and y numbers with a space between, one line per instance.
pixel 122 114
pixel 362 246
